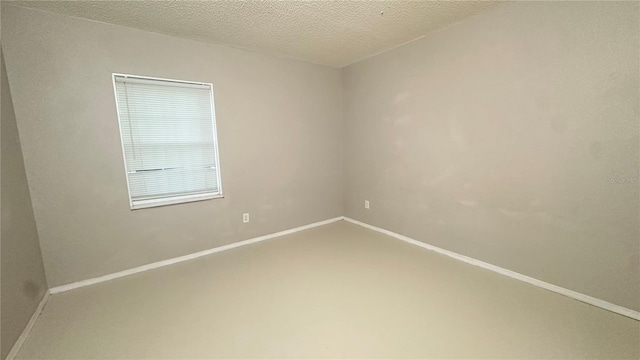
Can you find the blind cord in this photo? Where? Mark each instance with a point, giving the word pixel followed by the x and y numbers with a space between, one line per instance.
pixel 133 144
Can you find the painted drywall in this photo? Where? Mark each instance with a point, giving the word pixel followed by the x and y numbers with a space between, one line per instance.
pixel 511 137
pixel 279 131
pixel 23 280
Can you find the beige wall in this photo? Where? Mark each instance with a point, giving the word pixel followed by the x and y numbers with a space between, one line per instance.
pixel 511 137
pixel 23 280
pixel 278 126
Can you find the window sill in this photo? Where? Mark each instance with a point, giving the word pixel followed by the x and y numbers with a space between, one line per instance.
pixel 144 204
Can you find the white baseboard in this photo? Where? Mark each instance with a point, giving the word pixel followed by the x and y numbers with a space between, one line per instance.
pixel 512 274
pixel 27 329
pixel 155 265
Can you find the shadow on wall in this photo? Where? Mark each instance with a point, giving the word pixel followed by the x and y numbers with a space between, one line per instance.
pixel 22 272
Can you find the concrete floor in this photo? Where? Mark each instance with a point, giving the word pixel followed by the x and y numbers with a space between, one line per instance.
pixel 337 291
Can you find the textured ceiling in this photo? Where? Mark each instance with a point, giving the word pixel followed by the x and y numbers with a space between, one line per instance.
pixel 334 33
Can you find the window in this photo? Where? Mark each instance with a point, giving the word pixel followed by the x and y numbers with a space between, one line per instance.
pixel 168 134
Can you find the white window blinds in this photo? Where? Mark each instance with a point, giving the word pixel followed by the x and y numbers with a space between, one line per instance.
pixel 169 140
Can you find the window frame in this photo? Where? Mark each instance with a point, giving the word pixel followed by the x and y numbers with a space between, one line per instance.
pixel 174 199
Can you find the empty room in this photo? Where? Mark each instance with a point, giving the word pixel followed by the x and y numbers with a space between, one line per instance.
pixel 320 179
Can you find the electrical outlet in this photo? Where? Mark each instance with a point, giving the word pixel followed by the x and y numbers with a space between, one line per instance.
pixel 245 217
pixel 366 204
